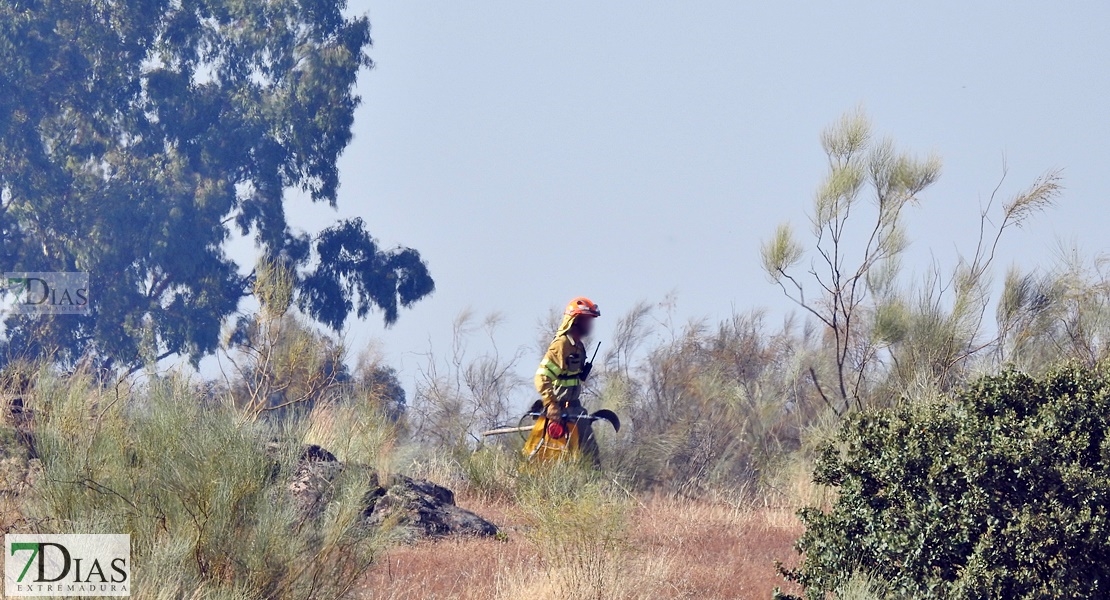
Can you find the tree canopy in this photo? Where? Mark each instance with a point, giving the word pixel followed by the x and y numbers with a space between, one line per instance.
pixel 138 137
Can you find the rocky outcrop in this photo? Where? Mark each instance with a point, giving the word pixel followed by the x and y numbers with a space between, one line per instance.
pixel 419 507
pixel 425 506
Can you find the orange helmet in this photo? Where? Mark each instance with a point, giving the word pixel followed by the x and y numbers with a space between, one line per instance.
pixel 582 306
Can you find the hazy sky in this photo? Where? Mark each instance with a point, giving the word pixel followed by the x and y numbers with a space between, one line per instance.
pixel 535 151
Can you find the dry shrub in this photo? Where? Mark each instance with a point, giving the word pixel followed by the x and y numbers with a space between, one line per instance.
pixel 465 392
pixel 579 523
pixel 354 430
pixel 707 409
pixel 203 498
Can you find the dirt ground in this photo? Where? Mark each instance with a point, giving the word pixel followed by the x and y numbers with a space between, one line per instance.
pixel 674 549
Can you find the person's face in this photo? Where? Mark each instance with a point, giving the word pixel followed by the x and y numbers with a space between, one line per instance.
pixel 585 326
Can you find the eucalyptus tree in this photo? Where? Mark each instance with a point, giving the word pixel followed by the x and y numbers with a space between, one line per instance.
pixel 138 137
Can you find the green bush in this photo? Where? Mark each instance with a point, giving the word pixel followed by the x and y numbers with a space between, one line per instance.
pixel 1003 492
pixel 203 494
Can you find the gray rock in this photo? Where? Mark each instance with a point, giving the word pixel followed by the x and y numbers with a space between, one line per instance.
pixel 312 486
pixel 420 507
pixel 428 508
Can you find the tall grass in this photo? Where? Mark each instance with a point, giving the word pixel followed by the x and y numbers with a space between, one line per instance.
pixel 204 496
pixel 579 522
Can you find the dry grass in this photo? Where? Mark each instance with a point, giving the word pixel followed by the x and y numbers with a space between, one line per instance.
pixel 675 549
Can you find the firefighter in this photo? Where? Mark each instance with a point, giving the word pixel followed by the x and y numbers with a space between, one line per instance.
pixel 564 370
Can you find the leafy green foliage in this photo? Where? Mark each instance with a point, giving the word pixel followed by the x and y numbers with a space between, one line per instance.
pixel 137 137
pixel 1002 493
pixel 352 269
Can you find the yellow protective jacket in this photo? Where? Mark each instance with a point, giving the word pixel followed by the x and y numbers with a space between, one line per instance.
pixel 557 379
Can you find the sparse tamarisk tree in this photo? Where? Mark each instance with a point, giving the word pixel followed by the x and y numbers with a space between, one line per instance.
pixel 852 287
pixel 279 362
pixel 1064 314
pixel 847 276
pixel 933 334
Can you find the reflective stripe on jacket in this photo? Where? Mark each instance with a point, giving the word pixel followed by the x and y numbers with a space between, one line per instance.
pixel 557 378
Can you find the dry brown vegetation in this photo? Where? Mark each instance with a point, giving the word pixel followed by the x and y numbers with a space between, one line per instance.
pixel 677 548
